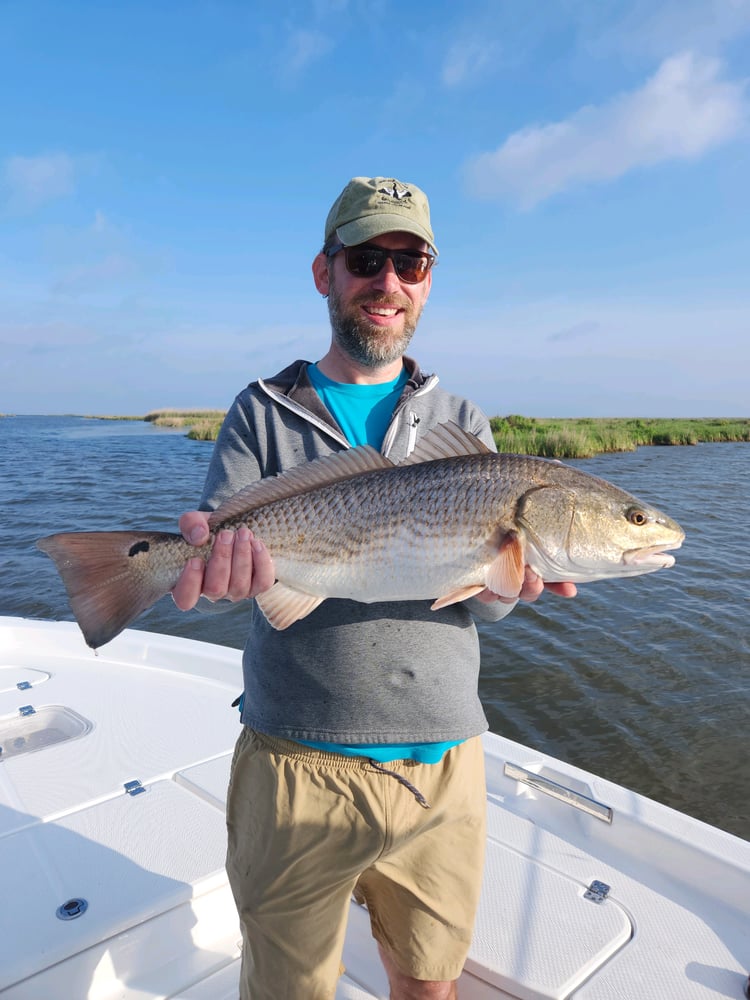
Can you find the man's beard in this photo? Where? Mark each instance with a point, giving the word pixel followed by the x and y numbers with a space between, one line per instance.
pixel 365 342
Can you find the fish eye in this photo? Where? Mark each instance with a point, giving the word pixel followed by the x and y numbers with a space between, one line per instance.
pixel 637 517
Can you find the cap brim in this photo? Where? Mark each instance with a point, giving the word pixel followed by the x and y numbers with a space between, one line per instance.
pixel 367 228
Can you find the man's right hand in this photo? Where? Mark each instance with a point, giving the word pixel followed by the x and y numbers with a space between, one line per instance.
pixel 239 565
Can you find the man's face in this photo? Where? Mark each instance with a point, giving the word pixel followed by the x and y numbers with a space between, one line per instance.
pixel 373 319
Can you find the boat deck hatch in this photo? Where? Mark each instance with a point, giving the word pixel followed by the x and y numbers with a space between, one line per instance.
pixel 32 730
pixel 539 933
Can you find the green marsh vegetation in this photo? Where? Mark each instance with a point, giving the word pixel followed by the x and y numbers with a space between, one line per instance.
pixel 202 425
pixel 564 437
pixel 573 437
pixel 583 437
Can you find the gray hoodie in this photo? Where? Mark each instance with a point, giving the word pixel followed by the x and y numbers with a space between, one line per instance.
pixel 391 672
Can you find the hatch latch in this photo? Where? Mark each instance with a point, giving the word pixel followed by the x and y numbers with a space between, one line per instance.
pixel 597 892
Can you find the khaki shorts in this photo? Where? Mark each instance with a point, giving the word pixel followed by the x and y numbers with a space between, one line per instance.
pixel 309 828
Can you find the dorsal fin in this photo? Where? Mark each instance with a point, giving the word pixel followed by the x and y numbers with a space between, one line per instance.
pixel 300 479
pixel 446 441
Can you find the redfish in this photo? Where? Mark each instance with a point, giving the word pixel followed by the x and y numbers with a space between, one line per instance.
pixel 452 519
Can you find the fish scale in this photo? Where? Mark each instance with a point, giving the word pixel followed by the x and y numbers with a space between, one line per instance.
pixel 357 525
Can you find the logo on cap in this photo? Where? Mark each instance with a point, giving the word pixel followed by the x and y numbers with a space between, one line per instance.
pixel 398 191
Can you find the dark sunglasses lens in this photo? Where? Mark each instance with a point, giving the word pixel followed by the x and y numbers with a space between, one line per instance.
pixel 365 263
pixel 411 268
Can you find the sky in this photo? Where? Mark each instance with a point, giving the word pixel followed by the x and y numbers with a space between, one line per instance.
pixel 166 167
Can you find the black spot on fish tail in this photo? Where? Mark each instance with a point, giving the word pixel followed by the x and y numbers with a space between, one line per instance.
pixel 106 586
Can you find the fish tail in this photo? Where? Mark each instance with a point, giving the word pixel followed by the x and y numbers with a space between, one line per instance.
pixel 111 577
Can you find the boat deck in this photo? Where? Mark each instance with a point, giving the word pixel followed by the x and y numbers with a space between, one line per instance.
pixel 113 772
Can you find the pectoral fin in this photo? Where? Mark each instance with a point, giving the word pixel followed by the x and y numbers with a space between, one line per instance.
pixel 283 606
pixel 506 572
pixel 505 575
pixel 457 595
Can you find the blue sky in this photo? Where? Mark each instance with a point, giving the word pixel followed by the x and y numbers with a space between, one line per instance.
pixel 166 168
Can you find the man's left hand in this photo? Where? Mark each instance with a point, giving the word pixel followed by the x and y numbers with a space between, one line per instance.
pixel 533 586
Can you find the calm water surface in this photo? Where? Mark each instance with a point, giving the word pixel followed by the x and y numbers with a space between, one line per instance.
pixel 644 681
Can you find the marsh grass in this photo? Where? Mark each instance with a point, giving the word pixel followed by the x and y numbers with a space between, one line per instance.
pixel 575 437
pixel 586 436
pixel 203 425
pixel 182 418
pixel 206 430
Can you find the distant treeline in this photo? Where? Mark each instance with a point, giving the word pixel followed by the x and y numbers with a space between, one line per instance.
pixel 579 437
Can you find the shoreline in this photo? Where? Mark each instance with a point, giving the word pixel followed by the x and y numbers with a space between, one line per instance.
pixel 545 437
pixel 564 437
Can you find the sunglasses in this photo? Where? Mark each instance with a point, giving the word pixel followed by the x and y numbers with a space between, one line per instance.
pixel 365 261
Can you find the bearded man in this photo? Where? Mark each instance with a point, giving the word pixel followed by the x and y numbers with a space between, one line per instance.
pixel 359 767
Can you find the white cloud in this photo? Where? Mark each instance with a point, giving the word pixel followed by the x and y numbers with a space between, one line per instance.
pixel 465 59
pixel 101 222
pixel 684 110
pixel 304 47
pixel 31 181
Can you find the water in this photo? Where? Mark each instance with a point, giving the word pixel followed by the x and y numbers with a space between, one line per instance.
pixel 644 681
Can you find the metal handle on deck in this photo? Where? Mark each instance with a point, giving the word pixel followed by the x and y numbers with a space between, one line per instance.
pixel 558 791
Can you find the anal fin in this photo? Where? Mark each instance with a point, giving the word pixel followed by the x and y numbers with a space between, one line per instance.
pixel 457 595
pixel 283 606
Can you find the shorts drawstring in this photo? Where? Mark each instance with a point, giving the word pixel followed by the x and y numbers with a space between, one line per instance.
pixel 402 781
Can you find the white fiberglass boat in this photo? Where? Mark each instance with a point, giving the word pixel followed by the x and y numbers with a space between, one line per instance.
pixel 112 780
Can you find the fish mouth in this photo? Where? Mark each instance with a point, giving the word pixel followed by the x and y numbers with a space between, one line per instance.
pixel 655 556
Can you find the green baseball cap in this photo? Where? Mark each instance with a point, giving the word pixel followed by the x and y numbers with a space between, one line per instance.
pixel 372 206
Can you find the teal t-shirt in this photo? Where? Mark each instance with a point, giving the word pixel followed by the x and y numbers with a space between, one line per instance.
pixel 363 412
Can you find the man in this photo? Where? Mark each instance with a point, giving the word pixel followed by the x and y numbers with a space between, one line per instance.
pixel 359 768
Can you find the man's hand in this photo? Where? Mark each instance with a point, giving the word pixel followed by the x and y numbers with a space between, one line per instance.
pixel 239 566
pixel 533 586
